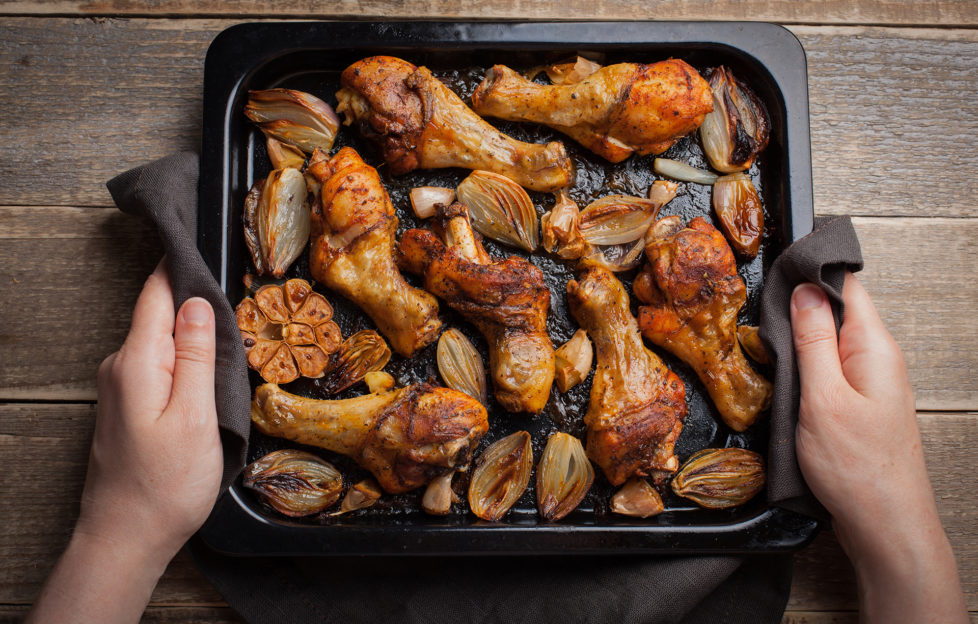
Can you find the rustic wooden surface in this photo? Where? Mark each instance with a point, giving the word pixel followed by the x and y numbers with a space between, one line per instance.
pixel 90 89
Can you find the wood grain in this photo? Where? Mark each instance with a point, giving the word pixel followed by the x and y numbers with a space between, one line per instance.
pixel 49 444
pixel 946 12
pixel 129 91
pixel 78 271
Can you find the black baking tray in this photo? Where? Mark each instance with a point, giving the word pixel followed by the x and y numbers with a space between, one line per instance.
pixel 309 56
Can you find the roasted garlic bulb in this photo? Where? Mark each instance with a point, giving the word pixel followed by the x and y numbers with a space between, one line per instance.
pixel 293 117
pixel 294 483
pixel 501 475
pixel 738 128
pixel 720 478
pixel 276 221
pixel 738 207
pixel 287 331
pixel 564 476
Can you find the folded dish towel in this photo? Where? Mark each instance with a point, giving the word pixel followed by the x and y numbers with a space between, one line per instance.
pixel 623 589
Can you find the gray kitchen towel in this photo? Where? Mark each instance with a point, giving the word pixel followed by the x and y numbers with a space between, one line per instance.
pixel 623 589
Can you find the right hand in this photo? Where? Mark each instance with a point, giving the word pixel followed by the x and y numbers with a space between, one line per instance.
pixel 860 451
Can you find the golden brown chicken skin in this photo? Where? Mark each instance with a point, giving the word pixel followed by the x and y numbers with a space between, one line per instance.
pixel 352 251
pixel 404 437
pixel 637 404
pixel 617 111
pixel 694 295
pixel 420 123
pixel 506 300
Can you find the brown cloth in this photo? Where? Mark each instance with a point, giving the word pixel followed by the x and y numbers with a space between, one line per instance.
pixel 620 589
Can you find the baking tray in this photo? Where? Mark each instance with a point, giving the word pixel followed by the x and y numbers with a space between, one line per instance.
pixel 310 56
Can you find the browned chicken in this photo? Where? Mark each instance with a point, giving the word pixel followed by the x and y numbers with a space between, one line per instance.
pixel 421 124
pixel 352 252
pixel 694 295
pixel 617 110
pixel 637 404
pixel 506 300
pixel 405 437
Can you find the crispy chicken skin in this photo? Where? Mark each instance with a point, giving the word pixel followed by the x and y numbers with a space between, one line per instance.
pixel 618 110
pixel 404 437
pixel 421 124
pixel 694 295
pixel 506 300
pixel 637 404
pixel 352 252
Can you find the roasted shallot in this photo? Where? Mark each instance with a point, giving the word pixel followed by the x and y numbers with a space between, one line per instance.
pixel 564 476
pixel 738 128
pixel 501 475
pixel 293 117
pixel 276 221
pixel 500 209
pixel 294 483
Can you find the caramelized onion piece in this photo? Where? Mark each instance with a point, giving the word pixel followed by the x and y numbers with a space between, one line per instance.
pixel 572 361
pixel 294 483
pixel 738 207
pixel 738 128
pixel 683 172
pixel 277 221
pixel 617 219
pixel 359 354
pixel 637 498
pixel 460 365
pixel 751 342
pixel 720 478
pixel 564 476
pixel 500 209
pixel 293 117
pixel 501 475
pixel 425 198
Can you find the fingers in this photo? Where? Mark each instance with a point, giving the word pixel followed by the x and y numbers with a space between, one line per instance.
pixel 871 359
pixel 194 350
pixel 152 320
pixel 816 346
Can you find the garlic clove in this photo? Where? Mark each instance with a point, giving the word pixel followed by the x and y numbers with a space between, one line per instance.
pixel 638 499
pixel 363 494
pixel 683 172
pixel 500 476
pixel 378 381
pixel 425 198
pixel 572 361
pixel 437 499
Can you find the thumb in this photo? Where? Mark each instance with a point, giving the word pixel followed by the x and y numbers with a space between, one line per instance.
pixel 193 370
pixel 816 344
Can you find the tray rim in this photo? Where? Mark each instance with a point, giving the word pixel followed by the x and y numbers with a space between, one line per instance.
pixel 773 47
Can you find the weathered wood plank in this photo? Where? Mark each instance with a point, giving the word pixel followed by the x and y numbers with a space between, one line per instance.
pixel 78 271
pixel 130 92
pixel 946 12
pixel 49 444
pixel 69 279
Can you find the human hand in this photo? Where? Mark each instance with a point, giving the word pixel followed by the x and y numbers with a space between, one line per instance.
pixel 155 464
pixel 860 450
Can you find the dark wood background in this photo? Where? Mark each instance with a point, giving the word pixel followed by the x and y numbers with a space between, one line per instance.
pixel 88 90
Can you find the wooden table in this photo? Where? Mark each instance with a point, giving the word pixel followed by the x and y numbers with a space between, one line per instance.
pixel 90 89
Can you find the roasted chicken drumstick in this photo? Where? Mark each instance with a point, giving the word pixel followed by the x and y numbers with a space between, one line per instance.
pixel 352 252
pixel 506 300
pixel 404 437
pixel 618 110
pixel 637 404
pixel 694 295
pixel 421 124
